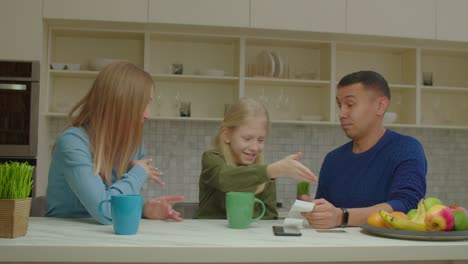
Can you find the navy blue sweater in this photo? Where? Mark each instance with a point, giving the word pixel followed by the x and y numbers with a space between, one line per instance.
pixel 392 171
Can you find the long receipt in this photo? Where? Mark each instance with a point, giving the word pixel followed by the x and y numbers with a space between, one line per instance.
pixel 295 218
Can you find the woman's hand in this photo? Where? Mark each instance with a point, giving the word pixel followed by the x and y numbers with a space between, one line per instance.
pixel 290 166
pixel 152 172
pixel 161 208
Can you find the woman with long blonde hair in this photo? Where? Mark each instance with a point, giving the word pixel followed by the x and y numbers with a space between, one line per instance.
pixel 234 162
pixel 101 152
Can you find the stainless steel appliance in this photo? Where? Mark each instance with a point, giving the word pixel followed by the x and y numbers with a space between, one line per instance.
pixel 19 110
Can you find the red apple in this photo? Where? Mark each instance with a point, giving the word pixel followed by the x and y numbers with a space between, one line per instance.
pixel 456 207
pixel 439 218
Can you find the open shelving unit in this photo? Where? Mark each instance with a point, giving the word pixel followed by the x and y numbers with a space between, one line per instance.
pixel 299 89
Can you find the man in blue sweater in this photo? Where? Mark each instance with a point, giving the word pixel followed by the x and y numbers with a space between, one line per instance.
pixel 378 169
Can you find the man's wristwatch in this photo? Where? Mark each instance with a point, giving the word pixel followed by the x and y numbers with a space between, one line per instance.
pixel 344 223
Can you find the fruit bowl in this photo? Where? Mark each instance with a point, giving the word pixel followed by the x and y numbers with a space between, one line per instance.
pixel 415 235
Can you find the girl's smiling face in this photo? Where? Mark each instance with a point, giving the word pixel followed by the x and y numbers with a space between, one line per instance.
pixel 247 140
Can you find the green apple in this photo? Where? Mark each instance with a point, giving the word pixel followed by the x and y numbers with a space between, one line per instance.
pixel 412 213
pixel 431 201
pixel 461 220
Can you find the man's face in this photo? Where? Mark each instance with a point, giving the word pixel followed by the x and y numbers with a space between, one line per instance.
pixel 360 109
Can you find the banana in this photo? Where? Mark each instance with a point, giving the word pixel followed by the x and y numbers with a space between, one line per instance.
pixel 401 223
pixel 421 214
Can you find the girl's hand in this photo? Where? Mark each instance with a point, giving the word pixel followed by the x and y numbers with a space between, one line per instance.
pixel 260 188
pixel 161 208
pixel 152 172
pixel 290 166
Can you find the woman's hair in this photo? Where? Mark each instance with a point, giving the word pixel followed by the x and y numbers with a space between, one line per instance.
pixel 112 114
pixel 235 116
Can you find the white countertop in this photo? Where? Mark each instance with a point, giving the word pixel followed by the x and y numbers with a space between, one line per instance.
pixel 82 240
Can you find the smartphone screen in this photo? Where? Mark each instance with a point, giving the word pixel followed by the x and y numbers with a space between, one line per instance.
pixel 286 231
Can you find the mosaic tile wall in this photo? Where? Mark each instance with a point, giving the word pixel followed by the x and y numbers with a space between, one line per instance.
pixel 176 148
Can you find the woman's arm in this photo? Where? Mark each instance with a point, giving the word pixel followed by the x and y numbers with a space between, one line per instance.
pixel 75 157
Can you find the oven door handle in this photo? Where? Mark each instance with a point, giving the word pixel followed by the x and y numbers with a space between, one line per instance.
pixel 13 86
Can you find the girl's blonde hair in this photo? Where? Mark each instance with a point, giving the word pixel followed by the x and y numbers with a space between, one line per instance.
pixel 112 114
pixel 235 116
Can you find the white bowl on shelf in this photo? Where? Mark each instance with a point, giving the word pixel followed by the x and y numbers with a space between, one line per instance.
pixel 212 72
pixel 72 66
pixel 311 118
pixel 99 63
pixel 390 117
pixel 57 66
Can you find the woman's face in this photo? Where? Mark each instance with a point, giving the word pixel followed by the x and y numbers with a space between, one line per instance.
pixel 146 113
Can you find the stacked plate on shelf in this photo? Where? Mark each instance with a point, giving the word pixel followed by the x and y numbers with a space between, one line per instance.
pixel 271 64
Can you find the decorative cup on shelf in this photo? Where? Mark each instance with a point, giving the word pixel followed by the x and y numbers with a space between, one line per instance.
pixel 427 78
pixel 126 213
pixel 185 109
pixel 177 68
pixel 240 208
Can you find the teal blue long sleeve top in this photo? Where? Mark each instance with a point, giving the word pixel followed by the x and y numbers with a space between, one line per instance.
pixel 73 190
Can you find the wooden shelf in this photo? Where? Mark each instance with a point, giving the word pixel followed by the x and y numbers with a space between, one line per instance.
pixel 401 86
pixel 291 82
pixel 446 88
pixel 198 78
pixel 55 114
pixel 68 73
pixel 172 118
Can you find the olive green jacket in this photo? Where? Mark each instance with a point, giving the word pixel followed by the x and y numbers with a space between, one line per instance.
pixel 217 178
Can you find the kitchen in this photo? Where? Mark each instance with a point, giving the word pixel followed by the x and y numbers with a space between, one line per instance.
pixel 152 33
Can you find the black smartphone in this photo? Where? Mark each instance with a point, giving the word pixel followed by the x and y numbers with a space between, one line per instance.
pixel 286 231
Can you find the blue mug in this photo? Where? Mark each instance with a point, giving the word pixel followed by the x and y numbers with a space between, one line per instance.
pixel 126 212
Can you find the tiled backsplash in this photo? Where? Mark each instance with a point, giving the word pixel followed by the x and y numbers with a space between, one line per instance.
pixel 177 146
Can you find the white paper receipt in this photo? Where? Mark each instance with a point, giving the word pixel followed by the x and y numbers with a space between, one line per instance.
pixel 295 217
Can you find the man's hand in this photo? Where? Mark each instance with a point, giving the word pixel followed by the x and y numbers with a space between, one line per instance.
pixel 324 215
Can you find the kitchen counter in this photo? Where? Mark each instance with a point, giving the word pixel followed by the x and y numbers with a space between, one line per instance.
pixel 202 241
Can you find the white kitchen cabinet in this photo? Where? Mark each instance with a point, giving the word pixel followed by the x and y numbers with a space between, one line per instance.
pixel 21 29
pixel 101 10
pixel 452 20
pixel 444 100
pixel 302 15
pixel 200 12
pixel 396 64
pixel 398 18
pixel 200 56
pixel 291 78
pixel 81 47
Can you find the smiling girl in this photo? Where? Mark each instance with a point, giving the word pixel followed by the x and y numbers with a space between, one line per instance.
pixel 235 162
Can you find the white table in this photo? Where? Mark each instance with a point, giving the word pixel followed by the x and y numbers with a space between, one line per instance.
pixel 211 241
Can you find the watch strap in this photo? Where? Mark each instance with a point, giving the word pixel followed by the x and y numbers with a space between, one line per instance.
pixel 345 217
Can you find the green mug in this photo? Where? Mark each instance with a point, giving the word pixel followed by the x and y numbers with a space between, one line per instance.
pixel 240 209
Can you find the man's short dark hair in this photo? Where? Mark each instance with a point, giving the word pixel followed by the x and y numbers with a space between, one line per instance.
pixel 369 79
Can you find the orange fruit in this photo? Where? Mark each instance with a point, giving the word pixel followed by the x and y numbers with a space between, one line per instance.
pixel 400 215
pixel 375 220
pixel 397 214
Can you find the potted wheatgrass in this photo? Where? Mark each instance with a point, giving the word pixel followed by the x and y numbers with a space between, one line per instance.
pixel 302 188
pixel 15 203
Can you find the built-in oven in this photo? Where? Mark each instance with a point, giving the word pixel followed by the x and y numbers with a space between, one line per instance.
pixel 19 108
